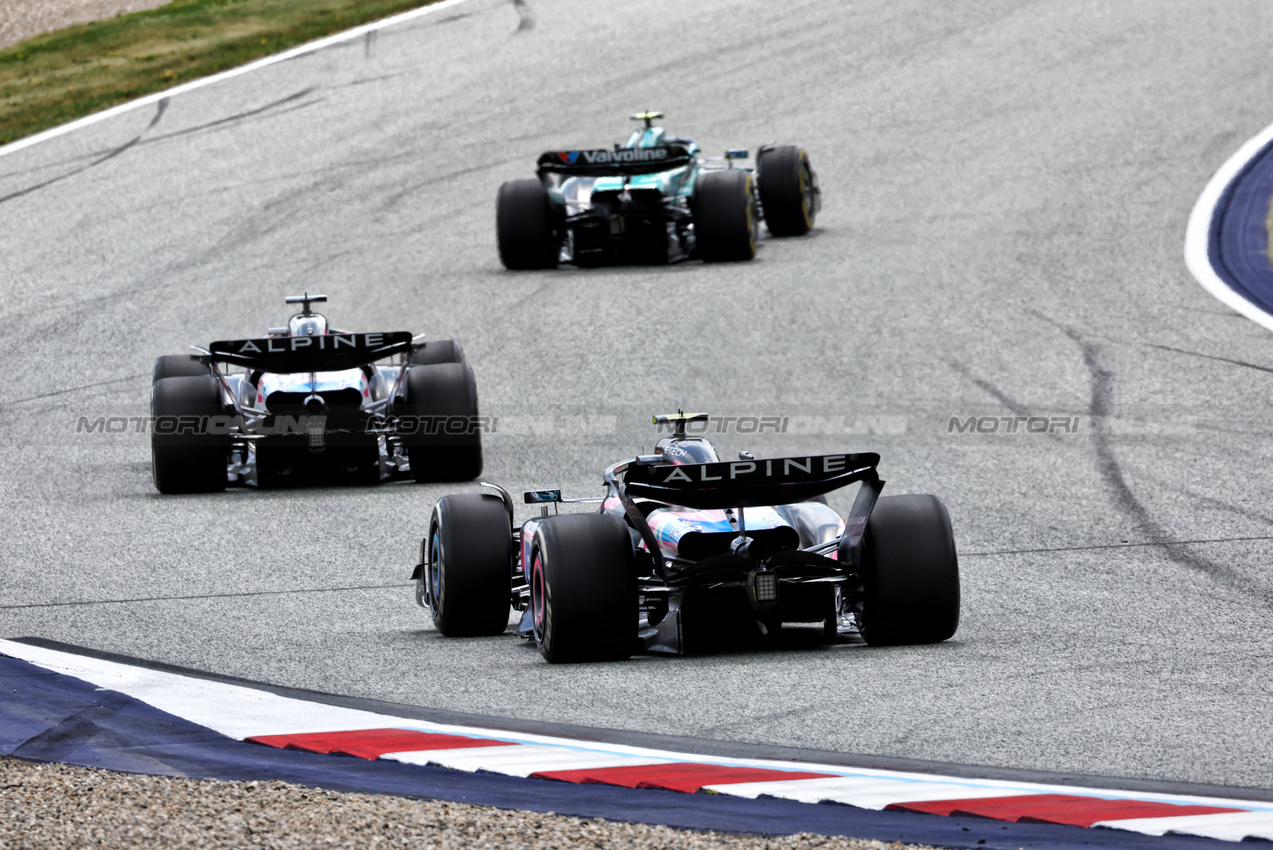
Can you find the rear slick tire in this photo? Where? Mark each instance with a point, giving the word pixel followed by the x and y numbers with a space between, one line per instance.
pixel 444 439
pixel 523 226
pixel 725 219
pixel 185 457
pixel 180 366
pixel 583 589
pixel 436 351
pixel 468 570
pixel 910 573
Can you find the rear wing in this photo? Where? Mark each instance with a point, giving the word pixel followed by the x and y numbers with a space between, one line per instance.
pixel 749 483
pixel 327 353
pixel 624 161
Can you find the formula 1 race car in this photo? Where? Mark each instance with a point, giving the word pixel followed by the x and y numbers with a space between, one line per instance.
pixel 653 199
pixel 690 553
pixel 309 401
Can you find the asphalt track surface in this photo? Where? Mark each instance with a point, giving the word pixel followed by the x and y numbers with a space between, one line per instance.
pixel 1007 186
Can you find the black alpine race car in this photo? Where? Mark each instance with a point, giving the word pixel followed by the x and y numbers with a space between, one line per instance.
pixel 689 553
pixel 653 199
pixel 309 402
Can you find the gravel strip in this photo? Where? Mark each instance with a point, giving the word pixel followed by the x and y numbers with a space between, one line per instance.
pixel 21 19
pixel 58 805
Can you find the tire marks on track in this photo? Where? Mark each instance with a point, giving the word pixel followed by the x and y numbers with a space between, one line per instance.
pixel 526 16
pixel 99 157
pixel 159 112
pixel 1101 382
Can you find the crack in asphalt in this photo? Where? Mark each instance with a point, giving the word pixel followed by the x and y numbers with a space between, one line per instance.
pixel 1229 360
pixel 1144 544
pixel 196 596
pixel 4 404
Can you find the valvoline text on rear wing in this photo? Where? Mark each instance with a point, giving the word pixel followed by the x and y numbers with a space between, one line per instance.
pixel 601 162
pixel 749 483
pixel 325 353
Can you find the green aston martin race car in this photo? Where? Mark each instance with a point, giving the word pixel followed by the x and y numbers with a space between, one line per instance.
pixel 653 199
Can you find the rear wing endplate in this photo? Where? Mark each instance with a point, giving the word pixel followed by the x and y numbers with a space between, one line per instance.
pixel 327 353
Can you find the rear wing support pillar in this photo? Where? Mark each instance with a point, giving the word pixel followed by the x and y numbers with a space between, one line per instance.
pixel 850 550
pixel 634 515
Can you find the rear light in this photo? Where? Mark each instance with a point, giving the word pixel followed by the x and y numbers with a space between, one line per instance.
pixel 316 434
pixel 762 587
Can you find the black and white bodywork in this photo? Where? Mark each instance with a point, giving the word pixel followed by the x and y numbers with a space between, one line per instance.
pixel 309 401
pixel 689 553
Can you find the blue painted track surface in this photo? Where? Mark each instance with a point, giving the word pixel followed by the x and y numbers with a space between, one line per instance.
pixel 1239 236
pixel 48 717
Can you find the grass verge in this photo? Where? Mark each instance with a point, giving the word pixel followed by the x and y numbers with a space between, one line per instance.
pixel 64 75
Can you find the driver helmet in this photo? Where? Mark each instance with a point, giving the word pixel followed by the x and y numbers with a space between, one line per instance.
pixel 686 450
pixel 307 324
pixel 645 137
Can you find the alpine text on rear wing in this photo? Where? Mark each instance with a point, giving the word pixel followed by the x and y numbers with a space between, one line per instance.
pixel 324 353
pixel 749 483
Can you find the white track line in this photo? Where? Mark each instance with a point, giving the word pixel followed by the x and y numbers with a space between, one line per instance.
pixel 1198 233
pixel 299 50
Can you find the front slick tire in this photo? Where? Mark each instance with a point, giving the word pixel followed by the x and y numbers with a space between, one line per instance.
pixel 524 227
pixel 788 192
pixel 184 457
pixel 468 577
pixel 725 216
pixel 910 573
pixel 583 589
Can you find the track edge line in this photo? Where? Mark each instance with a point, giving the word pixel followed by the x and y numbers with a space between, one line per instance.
pixel 1198 231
